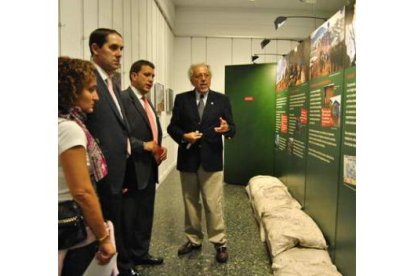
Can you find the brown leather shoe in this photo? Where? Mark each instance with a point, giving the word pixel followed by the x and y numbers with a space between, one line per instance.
pixel 188 247
pixel 221 254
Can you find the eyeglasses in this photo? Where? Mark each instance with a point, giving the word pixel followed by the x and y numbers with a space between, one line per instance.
pixel 199 76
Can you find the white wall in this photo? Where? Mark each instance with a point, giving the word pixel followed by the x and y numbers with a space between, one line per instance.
pixel 146 36
pixel 242 22
pixel 219 52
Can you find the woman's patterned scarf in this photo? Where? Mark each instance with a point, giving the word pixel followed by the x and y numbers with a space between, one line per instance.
pixel 96 158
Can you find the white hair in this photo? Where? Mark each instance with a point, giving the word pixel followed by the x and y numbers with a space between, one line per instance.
pixel 191 69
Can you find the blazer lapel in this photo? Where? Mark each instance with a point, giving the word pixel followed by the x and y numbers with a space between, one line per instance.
pixel 142 111
pixel 106 95
pixel 137 104
pixel 209 103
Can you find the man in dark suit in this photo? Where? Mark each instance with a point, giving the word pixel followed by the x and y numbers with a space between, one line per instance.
pixel 108 125
pixel 142 165
pixel 200 118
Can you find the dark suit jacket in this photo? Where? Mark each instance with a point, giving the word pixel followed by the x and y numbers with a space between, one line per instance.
pixel 146 168
pixel 111 132
pixel 209 150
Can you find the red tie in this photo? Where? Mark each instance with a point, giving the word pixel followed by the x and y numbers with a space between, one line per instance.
pixel 151 118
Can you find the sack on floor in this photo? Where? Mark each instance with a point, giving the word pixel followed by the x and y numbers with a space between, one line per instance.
pixel 273 198
pixel 304 262
pixel 257 183
pixel 289 227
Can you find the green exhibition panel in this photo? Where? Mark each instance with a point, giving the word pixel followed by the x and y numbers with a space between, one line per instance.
pixel 250 89
pixel 281 135
pixel 325 125
pixel 297 141
pixel 346 217
pixel 323 152
pixel 298 112
pixel 345 258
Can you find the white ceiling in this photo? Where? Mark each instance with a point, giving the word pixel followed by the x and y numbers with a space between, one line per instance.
pixel 320 5
pixel 250 19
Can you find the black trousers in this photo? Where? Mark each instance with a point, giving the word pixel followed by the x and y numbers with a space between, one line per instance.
pixel 138 214
pixel 111 205
pixel 77 260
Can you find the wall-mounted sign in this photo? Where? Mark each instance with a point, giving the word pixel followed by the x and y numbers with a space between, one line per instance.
pixel 284 123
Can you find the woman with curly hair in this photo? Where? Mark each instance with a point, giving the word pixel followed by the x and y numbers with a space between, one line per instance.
pixel 81 162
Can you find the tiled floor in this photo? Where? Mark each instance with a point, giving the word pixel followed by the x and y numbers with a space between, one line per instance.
pixel 248 255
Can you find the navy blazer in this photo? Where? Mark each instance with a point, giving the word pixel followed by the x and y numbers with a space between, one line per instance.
pixel 110 131
pixel 146 168
pixel 208 151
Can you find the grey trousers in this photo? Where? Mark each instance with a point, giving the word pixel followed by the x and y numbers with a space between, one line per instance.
pixel 210 186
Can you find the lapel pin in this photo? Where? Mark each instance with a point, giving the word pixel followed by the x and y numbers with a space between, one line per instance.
pixel 212 103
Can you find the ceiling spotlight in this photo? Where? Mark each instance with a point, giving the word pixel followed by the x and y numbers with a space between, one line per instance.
pixel 264 42
pixel 256 56
pixel 267 41
pixel 279 21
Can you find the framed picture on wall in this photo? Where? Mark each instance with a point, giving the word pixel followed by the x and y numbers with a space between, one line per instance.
pixel 159 98
pixel 170 99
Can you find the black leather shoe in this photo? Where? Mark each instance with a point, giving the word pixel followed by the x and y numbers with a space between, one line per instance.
pixel 130 272
pixel 221 254
pixel 137 273
pixel 188 247
pixel 149 260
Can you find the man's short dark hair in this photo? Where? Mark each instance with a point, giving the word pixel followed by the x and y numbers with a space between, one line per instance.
pixel 99 37
pixel 136 67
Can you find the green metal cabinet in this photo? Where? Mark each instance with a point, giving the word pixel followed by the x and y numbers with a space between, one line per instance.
pixel 250 89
